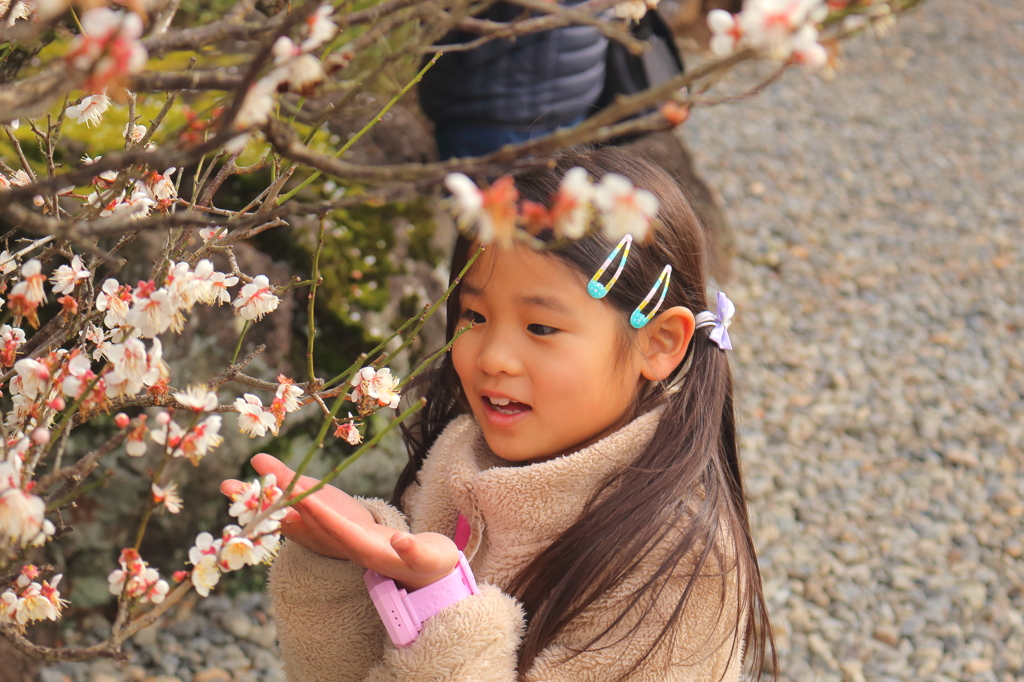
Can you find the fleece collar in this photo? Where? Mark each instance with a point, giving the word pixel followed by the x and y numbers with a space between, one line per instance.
pixel 516 511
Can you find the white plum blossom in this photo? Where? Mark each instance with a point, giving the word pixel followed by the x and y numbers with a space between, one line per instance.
pixel 167 496
pixel 784 29
pixel 137 580
pixel 22 518
pixel 29 601
pixel 197 399
pixel 319 28
pixel 66 277
pixel 259 102
pixel 725 32
pixel 115 300
pixel 634 10
pixel 256 299
pixel 35 379
pixel 78 375
pixel 379 386
pixel 624 208
pixel 468 200
pixel 215 289
pixel 90 111
pixel 288 393
pixel 8 263
pixel 205 575
pixel 28 294
pixel 252 418
pixel 152 310
pixel 571 209
pixel 137 133
pixel 256 497
pixel 130 366
pixel 238 552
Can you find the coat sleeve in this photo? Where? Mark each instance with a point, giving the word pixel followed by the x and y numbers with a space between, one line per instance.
pixel 328 628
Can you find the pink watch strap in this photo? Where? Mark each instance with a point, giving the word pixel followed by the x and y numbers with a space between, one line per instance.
pixel 404 613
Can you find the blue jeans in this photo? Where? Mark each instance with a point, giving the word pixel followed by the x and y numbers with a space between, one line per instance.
pixel 470 139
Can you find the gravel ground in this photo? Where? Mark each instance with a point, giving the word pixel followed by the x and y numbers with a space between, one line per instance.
pixel 880 365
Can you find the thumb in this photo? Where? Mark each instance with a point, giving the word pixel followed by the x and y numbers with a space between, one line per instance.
pixel 428 554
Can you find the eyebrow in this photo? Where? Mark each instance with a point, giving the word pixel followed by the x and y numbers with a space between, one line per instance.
pixel 535 301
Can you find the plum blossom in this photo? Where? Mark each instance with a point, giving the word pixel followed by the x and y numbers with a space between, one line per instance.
pixel 109 47
pixel 252 418
pixel 725 32
pixel 35 379
pixel 319 28
pixel 13 339
pixel 114 298
pixel 28 294
pixel 348 431
pixel 129 368
pixel 624 209
pixel 212 286
pixel 90 111
pixel 136 580
pixel 197 399
pixel 634 10
pixel 138 132
pixel 492 212
pixel 286 398
pixel 203 557
pixel 257 497
pixel 256 300
pixel 167 496
pixel 29 601
pixel 152 309
pixel 160 187
pixel 8 263
pixel 238 552
pixel 468 200
pixel 571 209
pixel 372 388
pixel 77 375
pixel 135 441
pixel 193 444
pixel 66 277
pixel 259 102
pixel 22 518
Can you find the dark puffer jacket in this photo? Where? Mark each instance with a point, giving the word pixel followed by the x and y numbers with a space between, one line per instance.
pixel 542 79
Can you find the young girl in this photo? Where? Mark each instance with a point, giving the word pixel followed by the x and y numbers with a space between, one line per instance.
pixel 586 467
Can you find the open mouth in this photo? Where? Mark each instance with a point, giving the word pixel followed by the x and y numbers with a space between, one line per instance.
pixel 505 406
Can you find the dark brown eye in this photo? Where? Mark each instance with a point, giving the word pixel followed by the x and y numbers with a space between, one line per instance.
pixel 541 329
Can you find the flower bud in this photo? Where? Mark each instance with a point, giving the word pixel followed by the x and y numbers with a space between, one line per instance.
pixel 163 419
pixel 41 436
pixel 121 419
pixel 180 576
pixel 56 404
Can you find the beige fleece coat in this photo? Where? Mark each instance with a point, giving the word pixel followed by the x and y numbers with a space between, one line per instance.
pixel 330 632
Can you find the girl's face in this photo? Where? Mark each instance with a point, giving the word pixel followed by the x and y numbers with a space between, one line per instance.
pixel 543 367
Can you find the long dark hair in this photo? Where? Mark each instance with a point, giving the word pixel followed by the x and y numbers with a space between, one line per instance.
pixel 686 481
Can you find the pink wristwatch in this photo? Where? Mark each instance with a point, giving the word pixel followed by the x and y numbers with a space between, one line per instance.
pixel 404 612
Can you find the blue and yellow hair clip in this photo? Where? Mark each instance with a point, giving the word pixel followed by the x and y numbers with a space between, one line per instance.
pixel 598 290
pixel 638 319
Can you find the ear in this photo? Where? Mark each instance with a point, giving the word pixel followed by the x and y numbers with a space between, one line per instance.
pixel 664 341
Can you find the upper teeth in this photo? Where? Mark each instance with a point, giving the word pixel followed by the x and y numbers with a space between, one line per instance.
pixel 499 401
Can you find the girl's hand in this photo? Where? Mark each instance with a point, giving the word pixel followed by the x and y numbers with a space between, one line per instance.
pixel 332 523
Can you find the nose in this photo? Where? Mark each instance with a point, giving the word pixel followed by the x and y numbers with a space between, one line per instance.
pixel 498 355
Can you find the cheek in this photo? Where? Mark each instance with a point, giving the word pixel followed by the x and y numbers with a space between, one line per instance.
pixel 463 358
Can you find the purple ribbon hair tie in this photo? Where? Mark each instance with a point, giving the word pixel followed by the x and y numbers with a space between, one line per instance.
pixel 720 321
